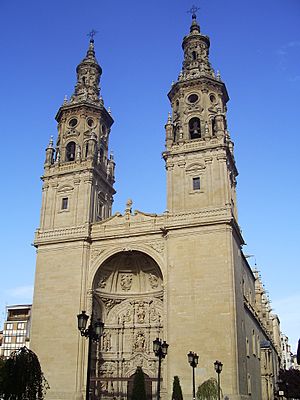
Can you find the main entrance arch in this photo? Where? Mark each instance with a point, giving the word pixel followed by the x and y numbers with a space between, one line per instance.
pixel 128 297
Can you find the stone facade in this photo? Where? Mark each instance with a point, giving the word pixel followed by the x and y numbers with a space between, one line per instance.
pixel 180 276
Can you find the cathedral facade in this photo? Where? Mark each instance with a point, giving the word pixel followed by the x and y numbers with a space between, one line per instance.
pixel 180 276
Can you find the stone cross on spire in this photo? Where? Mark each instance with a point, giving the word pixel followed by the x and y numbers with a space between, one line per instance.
pixel 91 34
pixel 193 11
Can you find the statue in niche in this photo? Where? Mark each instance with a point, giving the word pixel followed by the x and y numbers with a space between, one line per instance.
pixel 141 313
pixel 126 281
pixel 102 282
pixel 140 341
pixel 153 313
pixel 153 279
pixel 128 315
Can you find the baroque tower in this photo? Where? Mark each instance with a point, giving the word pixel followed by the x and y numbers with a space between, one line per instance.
pixel 180 276
pixel 79 173
pixel 197 135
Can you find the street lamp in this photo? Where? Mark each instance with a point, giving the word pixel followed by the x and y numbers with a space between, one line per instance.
pixel 218 368
pixel 93 332
pixel 160 349
pixel 193 360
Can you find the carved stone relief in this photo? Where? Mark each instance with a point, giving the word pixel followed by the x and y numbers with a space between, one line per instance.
pixel 140 342
pixel 153 279
pixel 158 246
pixel 126 281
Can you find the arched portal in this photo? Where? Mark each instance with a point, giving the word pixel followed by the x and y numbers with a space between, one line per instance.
pixel 128 297
pixel 148 387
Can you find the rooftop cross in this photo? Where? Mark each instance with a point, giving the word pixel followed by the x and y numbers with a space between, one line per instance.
pixel 193 11
pixel 91 34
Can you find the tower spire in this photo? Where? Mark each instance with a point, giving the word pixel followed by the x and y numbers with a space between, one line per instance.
pixel 195 26
pixel 88 76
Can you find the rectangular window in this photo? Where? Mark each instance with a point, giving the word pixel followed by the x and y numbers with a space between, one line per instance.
pixel 196 183
pixel 64 203
pixel 21 325
pixel 20 339
pixel 9 326
pixel 7 339
pixel 249 383
pixel 247 348
pixel 253 343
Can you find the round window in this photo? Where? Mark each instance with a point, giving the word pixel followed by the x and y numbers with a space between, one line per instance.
pixel 90 122
pixel 73 122
pixel 193 98
pixel 212 98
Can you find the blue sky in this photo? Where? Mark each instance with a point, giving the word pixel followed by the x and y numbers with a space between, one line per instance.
pixel 255 45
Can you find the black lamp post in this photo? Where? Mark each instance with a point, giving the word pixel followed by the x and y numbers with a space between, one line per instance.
pixel 218 368
pixel 193 360
pixel 93 332
pixel 160 349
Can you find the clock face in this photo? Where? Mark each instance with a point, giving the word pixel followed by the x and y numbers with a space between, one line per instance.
pixel 193 98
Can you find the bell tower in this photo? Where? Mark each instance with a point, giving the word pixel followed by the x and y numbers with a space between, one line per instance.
pixel 201 171
pixel 77 193
pixel 79 172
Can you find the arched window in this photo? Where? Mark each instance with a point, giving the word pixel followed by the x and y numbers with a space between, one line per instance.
pixel 101 155
pixel 70 151
pixel 194 128
pixel 86 149
pixel 194 55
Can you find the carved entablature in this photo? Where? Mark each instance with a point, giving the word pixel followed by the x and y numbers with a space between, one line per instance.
pixel 195 167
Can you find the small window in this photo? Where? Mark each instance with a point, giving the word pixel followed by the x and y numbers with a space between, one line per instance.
pixel 196 183
pixel 193 98
pixel 194 55
pixel 101 155
pixel 7 339
pixel 9 326
pixel 64 203
pixel 247 348
pixel 20 339
pixel 249 383
pixel 253 343
pixel 73 122
pixel 21 325
pixel 90 122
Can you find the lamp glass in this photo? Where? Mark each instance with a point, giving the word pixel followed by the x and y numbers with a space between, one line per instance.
pixel 190 357
pixel 156 345
pixel 98 327
pixel 164 348
pixel 82 320
pixel 196 358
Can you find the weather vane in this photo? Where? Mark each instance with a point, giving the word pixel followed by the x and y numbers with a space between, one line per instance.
pixel 193 10
pixel 91 34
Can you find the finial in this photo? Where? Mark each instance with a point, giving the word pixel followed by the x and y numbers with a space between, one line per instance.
pixel 50 146
pixel 128 208
pixel 169 118
pixel 218 75
pixel 65 99
pixel 109 111
pixel 193 11
pixel 91 34
pixel 111 156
